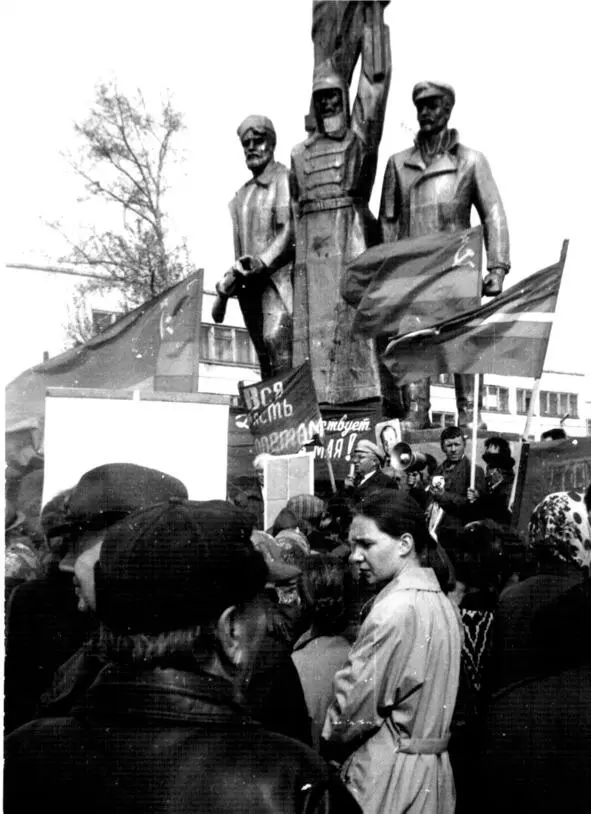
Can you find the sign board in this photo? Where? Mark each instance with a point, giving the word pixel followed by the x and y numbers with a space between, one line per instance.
pixel 285 477
pixel 345 425
pixel 283 413
pixel 182 434
pixel 550 466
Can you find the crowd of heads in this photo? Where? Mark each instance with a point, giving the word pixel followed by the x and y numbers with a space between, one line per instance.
pixel 76 522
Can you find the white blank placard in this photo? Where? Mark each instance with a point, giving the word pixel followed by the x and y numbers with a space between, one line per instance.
pixel 187 439
pixel 286 476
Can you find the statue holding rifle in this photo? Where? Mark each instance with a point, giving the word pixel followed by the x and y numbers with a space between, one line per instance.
pixel 261 277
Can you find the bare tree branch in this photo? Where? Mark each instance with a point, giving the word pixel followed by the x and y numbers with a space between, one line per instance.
pixel 122 160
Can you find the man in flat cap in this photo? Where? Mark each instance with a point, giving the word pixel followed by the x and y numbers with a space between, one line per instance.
pixel 432 187
pixel 261 277
pixel 44 627
pixel 163 727
pixel 368 477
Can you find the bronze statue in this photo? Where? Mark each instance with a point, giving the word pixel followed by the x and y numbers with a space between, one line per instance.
pixel 261 277
pixel 333 172
pixel 432 187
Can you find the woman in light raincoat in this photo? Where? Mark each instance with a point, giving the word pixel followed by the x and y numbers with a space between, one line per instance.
pixel 395 697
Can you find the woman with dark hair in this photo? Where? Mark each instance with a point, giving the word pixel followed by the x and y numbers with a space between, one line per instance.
pixel 395 696
pixel 323 648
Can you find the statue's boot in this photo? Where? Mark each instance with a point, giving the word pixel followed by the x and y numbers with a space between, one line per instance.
pixel 464 384
pixel 417 403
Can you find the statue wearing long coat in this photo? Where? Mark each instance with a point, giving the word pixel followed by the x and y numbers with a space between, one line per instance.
pixel 332 180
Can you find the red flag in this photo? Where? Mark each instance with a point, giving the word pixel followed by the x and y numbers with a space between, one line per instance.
pixel 177 364
pixel 508 336
pixel 412 284
pixel 123 356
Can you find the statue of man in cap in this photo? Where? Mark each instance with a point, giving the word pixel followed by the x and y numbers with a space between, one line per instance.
pixel 261 277
pixel 432 187
pixel 332 175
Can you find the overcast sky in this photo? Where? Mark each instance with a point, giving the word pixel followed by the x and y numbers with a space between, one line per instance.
pixel 520 70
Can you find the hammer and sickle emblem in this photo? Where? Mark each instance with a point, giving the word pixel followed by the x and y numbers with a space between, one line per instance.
pixel 464 254
pixel 170 310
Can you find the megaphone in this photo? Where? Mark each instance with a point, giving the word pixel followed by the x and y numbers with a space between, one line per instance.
pixel 404 458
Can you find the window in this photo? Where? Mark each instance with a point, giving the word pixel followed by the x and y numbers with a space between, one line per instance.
pixel 101 320
pixel 446 379
pixel 496 399
pixel 559 405
pixel 523 401
pixel 443 419
pixel 225 345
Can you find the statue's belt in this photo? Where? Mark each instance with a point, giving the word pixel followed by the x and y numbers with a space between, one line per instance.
pixel 307 207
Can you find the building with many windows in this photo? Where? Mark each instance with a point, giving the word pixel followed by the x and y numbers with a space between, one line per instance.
pixel 562 400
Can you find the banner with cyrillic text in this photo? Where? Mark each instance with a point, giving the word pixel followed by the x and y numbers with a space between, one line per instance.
pixel 283 412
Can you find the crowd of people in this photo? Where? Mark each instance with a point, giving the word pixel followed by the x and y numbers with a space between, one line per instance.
pixel 397 647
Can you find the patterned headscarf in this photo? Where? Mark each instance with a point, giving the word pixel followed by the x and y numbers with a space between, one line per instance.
pixel 559 524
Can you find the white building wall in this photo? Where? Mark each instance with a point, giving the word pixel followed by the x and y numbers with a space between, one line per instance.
pixel 443 400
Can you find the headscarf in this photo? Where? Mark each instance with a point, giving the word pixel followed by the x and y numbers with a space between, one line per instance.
pixel 559 525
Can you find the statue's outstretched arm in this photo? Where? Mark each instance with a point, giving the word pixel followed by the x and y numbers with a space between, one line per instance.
pixel 369 108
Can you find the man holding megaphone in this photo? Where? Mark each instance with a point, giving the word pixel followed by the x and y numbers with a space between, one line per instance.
pixel 418 467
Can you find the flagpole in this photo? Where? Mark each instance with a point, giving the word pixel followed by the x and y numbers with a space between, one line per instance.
pixel 525 435
pixel 333 483
pixel 534 397
pixel 319 442
pixel 475 420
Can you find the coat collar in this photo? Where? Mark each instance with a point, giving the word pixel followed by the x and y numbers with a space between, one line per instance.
pixel 446 162
pixel 368 477
pixel 162 694
pixel 418 579
pixel 265 178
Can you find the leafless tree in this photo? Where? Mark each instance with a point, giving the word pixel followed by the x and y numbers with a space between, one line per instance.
pixel 122 160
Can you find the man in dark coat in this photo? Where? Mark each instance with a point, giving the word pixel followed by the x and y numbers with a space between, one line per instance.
pixel 494 504
pixel 368 477
pixel 162 729
pixel 449 489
